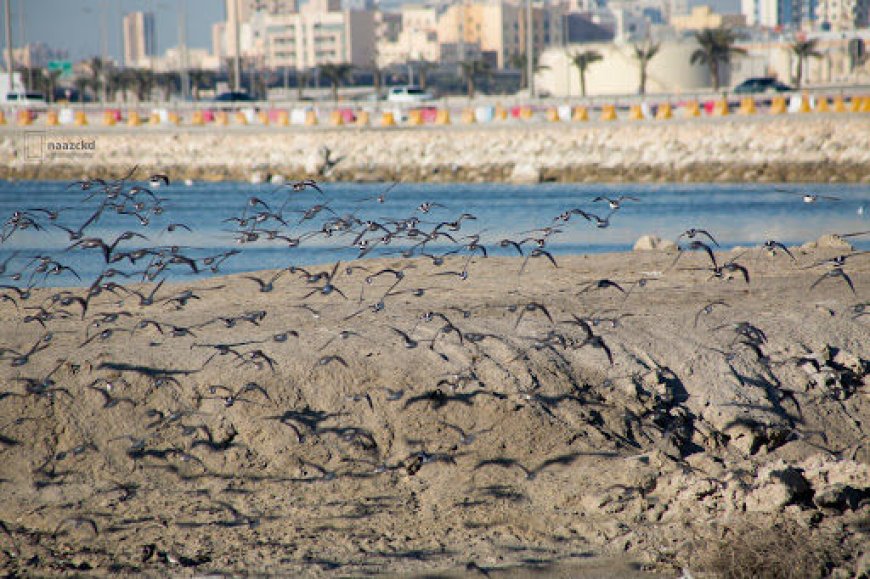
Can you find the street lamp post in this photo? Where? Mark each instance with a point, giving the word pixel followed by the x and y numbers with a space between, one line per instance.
pixel 9 60
pixel 530 49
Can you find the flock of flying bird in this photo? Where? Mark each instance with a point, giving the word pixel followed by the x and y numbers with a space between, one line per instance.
pixel 133 273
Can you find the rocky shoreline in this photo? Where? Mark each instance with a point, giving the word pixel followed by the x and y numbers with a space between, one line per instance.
pixel 793 148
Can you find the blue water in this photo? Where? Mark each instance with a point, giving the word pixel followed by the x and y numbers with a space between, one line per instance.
pixel 734 214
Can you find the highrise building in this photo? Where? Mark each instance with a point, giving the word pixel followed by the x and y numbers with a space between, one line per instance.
pixel 840 15
pixel 781 14
pixel 140 38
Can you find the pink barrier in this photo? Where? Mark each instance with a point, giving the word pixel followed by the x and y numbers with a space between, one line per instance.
pixel 347 115
pixel 429 114
pixel 275 115
pixel 115 113
pixel 708 107
pixel 208 116
pixel 515 112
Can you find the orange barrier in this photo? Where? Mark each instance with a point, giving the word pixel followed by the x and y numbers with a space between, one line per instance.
pixel 777 106
pixel 241 119
pixel 336 119
pixel 222 118
pixel 133 119
pixel 263 117
pixel 310 118
pixel 442 117
pixel 501 113
pixel 362 119
pixel 720 109
pixel 2 118
pixel 580 113
pixel 80 119
pixel 822 105
pixel 25 118
pixel 197 119
pixel 865 106
pixel 51 119
pixel 415 117
pixel 468 116
pixel 388 119
pixel 283 119
pixel 805 104
pixel 635 113
pixel 109 118
pixel 665 112
pixel 855 105
pixel 747 106
pixel 692 109
pixel 839 104
pixel 552 114
pixel 608 113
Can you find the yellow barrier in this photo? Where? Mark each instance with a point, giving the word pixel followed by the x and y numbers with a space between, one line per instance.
pixel 839 104
pixel 415 117
pixel 635 113
pixel 263 117
pixel 500 113
pixel 442 117
pixel 608 113
pixel 2 118
pixel 822 105
pixel 133 119
pixel 552 115
pixel 526 113
pixel 310 118
pixel 283 119
pixel 173 118
pixel 154 119
pixel 692 109
pixel 222 118
pixel 109 119
pixel 24 118
pixel 362 119
pixel 865 106
pixel 665 112
pixel 51 119
pixel 80 119
pixel 336 119
pixel 580 114
pixel 855 105
pixel 805 105
pixel 720 109
pixel 777 106
pixel 388 119
pixel 197 119
pixel 241 119
pixel 747 106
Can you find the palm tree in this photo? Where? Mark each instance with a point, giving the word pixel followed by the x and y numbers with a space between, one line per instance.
pixel 97 70
pixel 51 77
pixel 582 60
pixel 336 73
pixel 141 81
pixel 644 54
pixel 716 48
pixel 81 84
pixel 302 77
pixel 377 78
pixel 804 49
pixel 168 82
pixel 200 79
pixel 423 68
pixel 519 61
pixel 471 69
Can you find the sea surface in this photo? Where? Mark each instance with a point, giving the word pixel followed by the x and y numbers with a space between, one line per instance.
pixel 736 215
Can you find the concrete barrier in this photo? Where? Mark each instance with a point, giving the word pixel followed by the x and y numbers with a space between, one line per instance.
pixel 822 105
pixel 443 117
pixel 133 119
pixel 388 119
pixel 484 114
pixel 197 119
pixel 778 106
pixel 608 113
pixel 222 118
pixel 362 119
pixel 66 116
pixel 51 119
pixel 720 108
pixel 2 118
pixel 415 117
pixel 692 109
pixel 501 113
pixel 336 119
pixel 665 112
pixel 81 119
pixel 580 114
pixel 263 117
pixel 839 104
pixel 468 116
pixel 635 113
pixel 109 118
pixel 25 118
pixel 747 106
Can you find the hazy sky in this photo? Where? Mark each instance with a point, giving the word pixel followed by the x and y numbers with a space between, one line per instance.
pixel 75 25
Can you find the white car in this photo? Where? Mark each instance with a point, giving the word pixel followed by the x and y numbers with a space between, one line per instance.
pixel 408 94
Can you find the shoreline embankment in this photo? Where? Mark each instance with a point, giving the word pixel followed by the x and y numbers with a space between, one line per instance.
pixel 817 148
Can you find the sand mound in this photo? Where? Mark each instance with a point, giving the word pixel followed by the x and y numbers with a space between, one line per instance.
pixel 452 424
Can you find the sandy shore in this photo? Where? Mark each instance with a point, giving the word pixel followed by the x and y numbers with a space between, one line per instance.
pixel 373 438
pixel 787 148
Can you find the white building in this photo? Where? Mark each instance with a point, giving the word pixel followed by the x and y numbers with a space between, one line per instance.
pixel 140 39
pixel 618 72
pixel 417 40
pixel 840 15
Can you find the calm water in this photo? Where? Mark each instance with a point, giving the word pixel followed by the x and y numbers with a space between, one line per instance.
pixel 734 214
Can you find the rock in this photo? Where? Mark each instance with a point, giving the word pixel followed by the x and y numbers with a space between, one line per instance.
pixel 829 241
pixel 862 566
pixel 838 496
pixel 778 486
pixel 653 243
pixel 525 173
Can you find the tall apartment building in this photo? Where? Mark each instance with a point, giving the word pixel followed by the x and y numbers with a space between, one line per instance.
pixel 320 33
pixel 841 15
pixel 239 13
pixel 140 38
pixel 498 28
pixel 787 14
pixel 417 39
